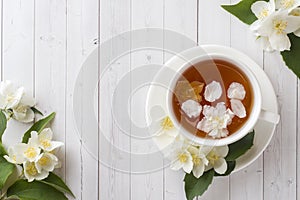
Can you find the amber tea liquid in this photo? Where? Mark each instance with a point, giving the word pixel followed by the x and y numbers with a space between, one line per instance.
pixel 223 72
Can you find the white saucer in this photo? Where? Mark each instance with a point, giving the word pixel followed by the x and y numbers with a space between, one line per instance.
pixel 157 98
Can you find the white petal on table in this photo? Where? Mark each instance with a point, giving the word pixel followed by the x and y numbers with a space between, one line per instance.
pixel 238 108
pixel 236 91
pixel 213 91
pixel 191 108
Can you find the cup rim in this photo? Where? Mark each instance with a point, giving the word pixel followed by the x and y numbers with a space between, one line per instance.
pixel 255 111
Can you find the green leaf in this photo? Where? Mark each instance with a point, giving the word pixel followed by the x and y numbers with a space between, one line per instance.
pixel 291 57
pixel 2 150
pixel 6 169
pixel 34 191
pixel 35 110
pixel 12 198
pixel 197 186
pixel 56 182
pixel 230 168
pixel 3 122
pixel 242 10
pixel 240 147
pixel 38 126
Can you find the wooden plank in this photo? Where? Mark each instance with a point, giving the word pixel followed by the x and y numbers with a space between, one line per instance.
pixel 81 159
pixel 18 54
pixel 280 156
pixel 50 65
pixel 214 23
pixel 115 182
pixel 214 28
pixel 248 183
pixel 145 185
pixel 74 56
pixel 179 16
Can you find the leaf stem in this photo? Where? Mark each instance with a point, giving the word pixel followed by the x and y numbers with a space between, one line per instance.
pixel 2 197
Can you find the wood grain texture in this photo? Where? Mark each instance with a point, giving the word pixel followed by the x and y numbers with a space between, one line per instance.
pixel 114 20
pixel 148 184
pixel 81 161
pixel 280 169
pixel 50 65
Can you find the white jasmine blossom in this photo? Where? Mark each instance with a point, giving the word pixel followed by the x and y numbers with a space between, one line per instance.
pixel 163 126
pixel 191 108
pixel 287 4
pixel 238 108
pixel 36 158
pixel 23 112
pixel 216 157
pixel 10 96
pixel 180 157
pixel 47 162
pixel 32 150
pixel 16 103
pixel 276 27
pixel 296 12
pixel 215 120
pixel 16 154
pixel 263 9
pixel 213 91
pixel 199 161
pixel 31 172
pixel 45 140
pixel 236 91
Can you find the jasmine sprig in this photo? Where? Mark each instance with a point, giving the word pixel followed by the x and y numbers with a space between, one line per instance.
pixel 276 25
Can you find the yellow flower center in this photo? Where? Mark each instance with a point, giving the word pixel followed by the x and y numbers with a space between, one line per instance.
pixel 46 143
pixel 44 161
pixel 31 169
pixel 14 158
pixel 212 157
pixel 30 152
pixel 10 98
pixel 295 13
pixel 280 26
pixel 217 121
pixel 196 160
pixel 21 109
pixel 264 13
pixel 287 3
pixel 182 158
pixel 217 118
pixel 167 124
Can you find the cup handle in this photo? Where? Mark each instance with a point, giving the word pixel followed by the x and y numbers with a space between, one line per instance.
pixel 269 116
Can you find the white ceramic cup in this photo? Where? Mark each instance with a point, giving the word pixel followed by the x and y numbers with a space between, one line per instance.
pixel 256 112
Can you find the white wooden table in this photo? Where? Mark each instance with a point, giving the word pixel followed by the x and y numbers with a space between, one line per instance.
pixel 44 42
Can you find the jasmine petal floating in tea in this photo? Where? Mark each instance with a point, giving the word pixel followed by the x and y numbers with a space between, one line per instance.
pixel 213 91
pixel 236 91
pixel 191 108
pixel 238 108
